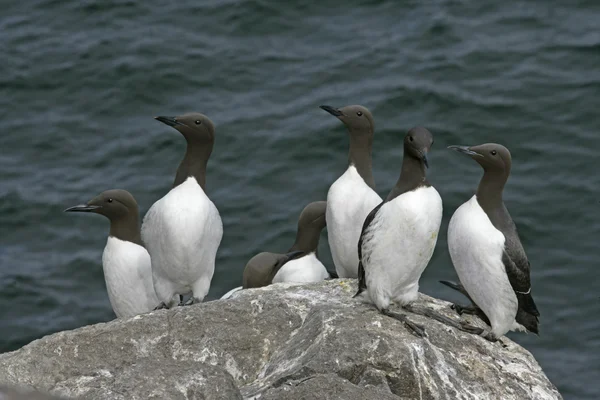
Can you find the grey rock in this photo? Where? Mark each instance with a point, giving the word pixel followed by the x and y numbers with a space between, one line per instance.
pixel 325 387
pixel 12 393
pixel 281 341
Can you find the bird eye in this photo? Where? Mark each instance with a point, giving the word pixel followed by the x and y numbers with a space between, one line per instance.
pixel 410 138
pixel 109 200
pixel 198 122
pixel 359 113
pixel 493 152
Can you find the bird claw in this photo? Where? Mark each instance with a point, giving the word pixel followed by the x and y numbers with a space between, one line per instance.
pixel 466 327
pixel 416 329
pixel 457 308
pixel 488 335
pixel 191 301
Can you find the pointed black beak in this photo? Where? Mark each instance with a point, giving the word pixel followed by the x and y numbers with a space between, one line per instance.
pixel 425 160
pixel 82 208
pixel 464 150
pixel 332 110
pixel 171 121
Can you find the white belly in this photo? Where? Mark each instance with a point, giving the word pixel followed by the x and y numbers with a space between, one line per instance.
pixel 128 276
pixel 182 232
pixel 303 269
pixel 399 244
pixel 349 201
pixel 476 248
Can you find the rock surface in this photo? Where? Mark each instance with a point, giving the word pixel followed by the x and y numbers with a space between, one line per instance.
pixel 279 342
pixel 8 393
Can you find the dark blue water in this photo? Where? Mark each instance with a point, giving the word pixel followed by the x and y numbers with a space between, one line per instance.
pixel 81 81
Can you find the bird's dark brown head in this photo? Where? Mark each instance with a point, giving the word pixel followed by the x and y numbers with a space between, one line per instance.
pixel 195 127
pixel 113 204
pixel 313 215
pixel 492 157
pixel 417 144
pixel 358 119
pixel 120 208
pixel 310 224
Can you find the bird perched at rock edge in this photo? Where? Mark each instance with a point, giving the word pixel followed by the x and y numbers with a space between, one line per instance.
pixel 183 229
pixel 352 196
pixel 125 261
pixel 486 250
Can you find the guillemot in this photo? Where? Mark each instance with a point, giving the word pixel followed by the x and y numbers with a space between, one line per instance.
pixel 183 229
pixel 399 235
pixel 352 196
pixel 486 250
pixel 300 263
pixel 125 261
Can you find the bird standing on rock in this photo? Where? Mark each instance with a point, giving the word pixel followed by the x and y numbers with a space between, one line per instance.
pixel 125 261
pixel 486 249
pixel 352 196
pixel 399 235
pixel 183 230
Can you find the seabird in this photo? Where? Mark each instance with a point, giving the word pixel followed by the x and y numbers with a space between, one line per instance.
pixel 125 261
pixel 183 229
pixel 300 263
pixel 486 250
pixel 399 236
pixel 352 196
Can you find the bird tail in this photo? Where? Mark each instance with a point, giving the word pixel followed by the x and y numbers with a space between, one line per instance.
pixel 528 321
pixel 527 304
pixel 453 285
pixel 362 283
pixel 333 274
pixel 458 287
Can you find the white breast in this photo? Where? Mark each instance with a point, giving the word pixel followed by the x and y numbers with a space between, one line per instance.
pixel 399 244
pixel 476 248
pixel 349 201
pixel 128 275
pixel 304 269
pixel 182 232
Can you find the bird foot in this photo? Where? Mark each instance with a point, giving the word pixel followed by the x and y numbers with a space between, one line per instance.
pixel 161 306
pixel 460 310
pixel 470 310
pixel 488 335
pixel 460 325
pixel 466 327
pixel 416 329
pixel 191 301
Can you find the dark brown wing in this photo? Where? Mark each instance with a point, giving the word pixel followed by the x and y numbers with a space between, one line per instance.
pixel 362 283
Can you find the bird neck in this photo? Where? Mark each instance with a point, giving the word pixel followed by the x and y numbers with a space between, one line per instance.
pixel 412 176
pixel 194 163
pixel 126 228
pixel 359 155
pixel 307 240
pixel 489 191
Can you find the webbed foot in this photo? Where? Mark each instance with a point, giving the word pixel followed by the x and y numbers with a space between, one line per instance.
pixel 192 300
pixel 416 329
pixel 471 310
pixel 460 325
